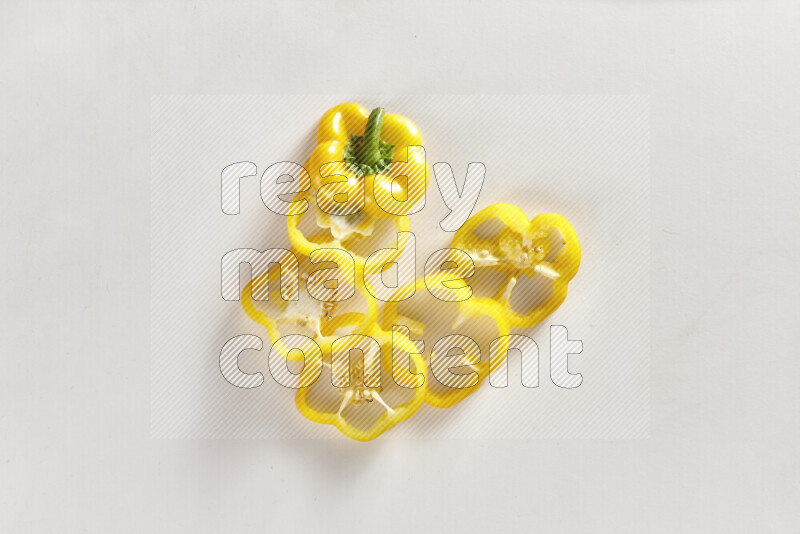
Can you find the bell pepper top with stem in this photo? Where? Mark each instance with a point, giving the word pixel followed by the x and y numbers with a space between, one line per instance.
pixel 366 145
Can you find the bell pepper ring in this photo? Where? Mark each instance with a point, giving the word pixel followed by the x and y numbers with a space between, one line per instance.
pixel 345 241
pixel 309 314
pixel 543 248
pixel 355 399
pixel 480 315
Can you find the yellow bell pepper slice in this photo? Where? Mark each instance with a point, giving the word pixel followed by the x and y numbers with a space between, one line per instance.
pixel 360 408
pixel 349 241
pixel 472 317
pixel 543 248
pixel 306 315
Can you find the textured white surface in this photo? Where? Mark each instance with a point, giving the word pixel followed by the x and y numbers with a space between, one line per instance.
pixel 75 451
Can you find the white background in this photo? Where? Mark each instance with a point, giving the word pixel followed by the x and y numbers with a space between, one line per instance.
pixel 75 451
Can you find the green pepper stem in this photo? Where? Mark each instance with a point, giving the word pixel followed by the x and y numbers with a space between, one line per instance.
pixel 369 152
